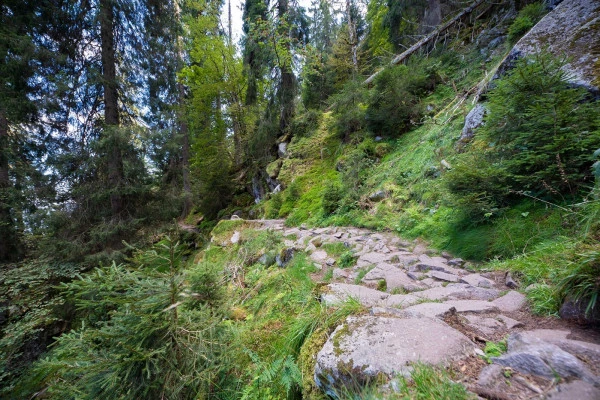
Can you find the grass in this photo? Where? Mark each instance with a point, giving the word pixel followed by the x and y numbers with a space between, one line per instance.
pixel 425 382
pixel 494 349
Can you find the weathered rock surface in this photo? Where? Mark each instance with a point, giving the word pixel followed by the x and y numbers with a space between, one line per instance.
pixel 568 30
pixel 511 301
pixel 367 346
pixel 339 292
pixel 533 356
pixel 577 390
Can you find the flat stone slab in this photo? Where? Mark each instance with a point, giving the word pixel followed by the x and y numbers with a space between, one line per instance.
pixel 583 350
pixel 487 326
pixel 459 291
pixel 394 277
pixel 372 258
pixel 340 292
pixel 530 355
pixel 577 390
pixel 366 346
pixel 477 280
pixel 433 310
pixel 511 301
pixel 443 276
pixel 319 256
pixel 401 300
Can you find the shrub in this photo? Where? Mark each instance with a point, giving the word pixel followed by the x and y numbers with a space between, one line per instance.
pixel 395 104
pixel 582 282
pixel 332 195
pixel 349 108
pixel 527 18
pixel 538 138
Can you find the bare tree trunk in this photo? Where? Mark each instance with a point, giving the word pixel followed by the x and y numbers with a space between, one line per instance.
pixel 111 104
pixel 7 228
pixel 183 126
pixel 229 22
pixel 352 35
pixel 287 76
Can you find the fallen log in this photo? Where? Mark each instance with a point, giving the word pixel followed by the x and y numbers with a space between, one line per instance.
pixel 439 30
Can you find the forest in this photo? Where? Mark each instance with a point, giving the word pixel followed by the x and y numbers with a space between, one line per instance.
pixel 144 142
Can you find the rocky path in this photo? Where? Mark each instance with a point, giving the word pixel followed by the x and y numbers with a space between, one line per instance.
pixel 437 309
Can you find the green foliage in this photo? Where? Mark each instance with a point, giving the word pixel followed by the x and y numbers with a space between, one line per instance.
pixel 332 195
pixel 494 349
pixel 395 105
pixel 347 259
pixel 526 19
pixel 425 382
pixel 140 334
pixel 538 140
pixel 349 106
pixel 581 281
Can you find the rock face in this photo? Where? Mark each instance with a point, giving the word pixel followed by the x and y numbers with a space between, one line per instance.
pixel 571 30
pixel 364 347
pixel 473 120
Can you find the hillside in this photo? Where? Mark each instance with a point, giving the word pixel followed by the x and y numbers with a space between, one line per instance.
pixel 397 200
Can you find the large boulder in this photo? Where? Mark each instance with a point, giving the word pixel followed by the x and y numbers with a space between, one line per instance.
pixel 366 347
pixel 571 30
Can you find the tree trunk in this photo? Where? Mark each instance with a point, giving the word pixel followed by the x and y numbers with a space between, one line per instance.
pixel 8 243
pixel 352 35
pixel 286 88
pixel 111 105
pixel 183 127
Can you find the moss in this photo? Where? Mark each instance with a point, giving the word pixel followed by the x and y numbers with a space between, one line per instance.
pixel 307 361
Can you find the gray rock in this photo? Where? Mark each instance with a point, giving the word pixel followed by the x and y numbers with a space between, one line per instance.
pixel 372 258
pixel 282 149
pixel 427 263
pixel 583 350
pixel 473 120
pixel 368 346
pixel 510 282
pixel 310 248
pixel 317 241
pixel 487 326
pixel 509 322
pixel 567 31
pixel 575 310
pixel 511 301
pixel 339 292
pixel 457 291
pixel 267 259
pixel 456 262
pixel 401 300
pixel 477 280
pixel 340 274
pixel 433 310
pixel 319 256
pixel 533 356
pixel 489 375
pixel 393 276
pixel 235 238
pixel 378 195
pixel 576 390
pixel 443 276
pixel 284 256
